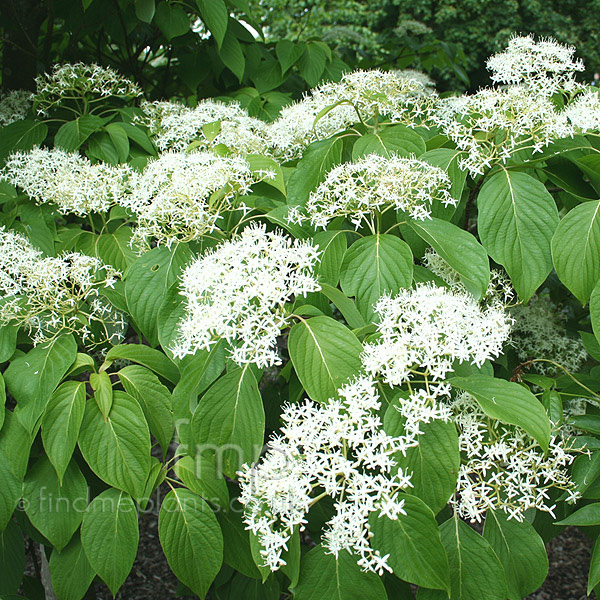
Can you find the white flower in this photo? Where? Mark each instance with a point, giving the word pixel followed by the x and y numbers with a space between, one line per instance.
pixel 175 126
pixel 583 113
pixel 338 449
pixel 332 107
pixel 14 106
pixel 89 83
pixel 539 332
pixel 67 179
pixel 53 295
pixel 429 328
pixel 504 468
pixel 238 292
pixel 544 65
pixel 374 183
pixel 180 196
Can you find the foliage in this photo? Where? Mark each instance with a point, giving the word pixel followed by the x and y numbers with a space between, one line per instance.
pixel 397 292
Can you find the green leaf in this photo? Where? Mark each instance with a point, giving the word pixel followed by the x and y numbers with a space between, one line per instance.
pixel 516 221
pixel 288 53
pixel 584 517
pixel 521 551
pixel 332 245
pixel 8 341
pixel 21 135
pixel 15 443
pixel 508 402
pixel 413 543
pixel 344 305
pixel 201 475
pixel 433 462
pixel 594 572
pixel 447 159
pixel 10 491
pixel 103 392
pixel 139 136
pixel 232 56
pixel 595 310
pixel 2 401
pixel 73 134
pixel 325 577
pixel 317 160
pixel 34 219
pixel 373 266
pixel 61 424
pixel 154 398
pixel 55 510
pixel 259 163
pixel 70 571
pixel 110 536
pixel 155 360
pixel 147 281
pixel 397 140
pixel 475 571
pixel 325 354
pixel 236 544
pixel 173 21
pixel 312 63
pixel 230 421
pixel 191 539
pixel 33 377
pixel 215 15
pixel 576 249
pixel 144 10
pixel 460 250
pixel 12 559
pixel 119 139
pixel 117 449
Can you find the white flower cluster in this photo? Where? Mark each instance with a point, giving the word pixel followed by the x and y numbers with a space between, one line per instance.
pixel 373 184
pixel 14 106
pixel 52 295
pixel 430 327
pixel 180 196
pixel 238 292
pixel 337 449
pixel 67 179
pixel 583 113
pixel 539 332
pixel 333 107
pixel 174 126
pixel 504 468
pixel 544 65
pixel 82 84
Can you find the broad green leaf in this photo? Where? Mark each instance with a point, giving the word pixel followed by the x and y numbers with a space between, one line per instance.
pixel 325 354
pixel 155 360
pixel 215 15
pixel 170 314
pixel 236 544
pixel 259 163
pixel 21 135
pixel 191 539
pixel 2 401
pixel 154 398
pixel 332 245
pixel 475 571
pixel 252 589
pixel 55 510
pixel 172 20
pixel 312 63
pixel 117 449
pixel 594 571
pixel 12 559
pixel 119 139
pixel 70 571
pixel 576 249
pixel 397 140
pixel 232 55
pixel 288 53
pixel 144 10
pixel 317 160
pixel 61 424
pixel 516 221
pixel 584 517
pixel 40 233
pixel 8 341
pixel 110 536
pixel 230 421
pixel 15 443
pixel 139 136
pixel 73 134
pixel 10 491
pixel 521 551
pixel 201 475
pixel 595 310
pixel 147 281
pixel 346 306
pixel 460 250
pixel 413 543
pixel 33 377
pixel 447 159
pixel 325 577
pixel 111 248
pixel 103 392
pixel 508 402
pixel 373 266
pixel 433 462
